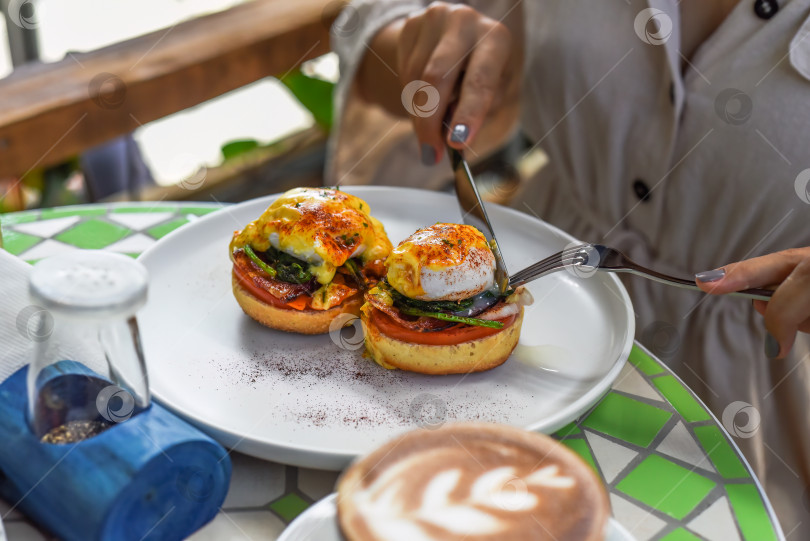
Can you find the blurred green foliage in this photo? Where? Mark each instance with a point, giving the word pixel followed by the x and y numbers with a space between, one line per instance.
pixel 313 93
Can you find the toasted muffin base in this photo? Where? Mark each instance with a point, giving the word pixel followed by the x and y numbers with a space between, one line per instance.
pixel 470 356
pixel 290 319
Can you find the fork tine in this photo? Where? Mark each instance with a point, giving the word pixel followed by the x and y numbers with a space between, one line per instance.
pixel 559 259
pixel 538 267
pixel 538 270
pixel 550 259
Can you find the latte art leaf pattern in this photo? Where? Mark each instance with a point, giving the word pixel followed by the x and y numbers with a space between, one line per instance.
pixel 481 511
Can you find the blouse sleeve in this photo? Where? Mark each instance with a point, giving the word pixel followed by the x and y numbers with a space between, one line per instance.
pixel 356 25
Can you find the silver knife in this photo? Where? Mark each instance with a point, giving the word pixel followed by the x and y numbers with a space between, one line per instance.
pixel 473 212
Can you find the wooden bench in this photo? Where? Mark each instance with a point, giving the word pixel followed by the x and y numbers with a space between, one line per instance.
pixel 51 112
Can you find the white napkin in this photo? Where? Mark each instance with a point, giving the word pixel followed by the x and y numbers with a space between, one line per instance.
pixel 15 347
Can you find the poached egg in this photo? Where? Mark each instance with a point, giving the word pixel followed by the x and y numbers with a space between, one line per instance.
pixel 321 226
pixel 447 262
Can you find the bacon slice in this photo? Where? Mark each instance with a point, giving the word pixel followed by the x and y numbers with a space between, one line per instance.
pixel 413 323
pixel 284 291
pixel 499 311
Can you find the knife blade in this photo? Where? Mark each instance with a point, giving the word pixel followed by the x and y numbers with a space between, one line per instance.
pixel 473 212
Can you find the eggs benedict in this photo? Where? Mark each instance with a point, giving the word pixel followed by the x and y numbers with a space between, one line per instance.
pixel 307 259
pixel 438 310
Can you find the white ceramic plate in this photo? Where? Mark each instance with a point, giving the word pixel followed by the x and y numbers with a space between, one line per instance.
pixel 320 522
pixel 305 401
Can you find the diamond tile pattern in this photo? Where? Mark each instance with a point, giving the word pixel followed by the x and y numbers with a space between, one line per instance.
pixel 665 486
pixel 627 419
pixel 93 234
pixel 289 506
pixel 162 230
pixel 613 457
pixel 642 437
pixel 682 399
pixel 680 445
pixel 722 455
pixel 680 535
pixel 716 522
pixel 16 243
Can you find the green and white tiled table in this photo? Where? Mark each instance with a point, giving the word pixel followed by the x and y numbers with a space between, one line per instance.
pixel 672 470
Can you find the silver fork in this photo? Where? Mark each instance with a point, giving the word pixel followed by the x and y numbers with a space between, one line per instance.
pixel 592 257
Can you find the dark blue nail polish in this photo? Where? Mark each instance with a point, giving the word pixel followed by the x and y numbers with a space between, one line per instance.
pixel 711 276
pixel 428 154
pixel 771 346
pixel 460 133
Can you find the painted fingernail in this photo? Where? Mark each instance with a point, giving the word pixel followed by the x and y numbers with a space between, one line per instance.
pixel 428 154
pixel 460 133
pixel 711 276
pixel 771 346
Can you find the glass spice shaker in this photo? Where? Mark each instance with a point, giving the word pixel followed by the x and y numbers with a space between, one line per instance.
pixel 87 372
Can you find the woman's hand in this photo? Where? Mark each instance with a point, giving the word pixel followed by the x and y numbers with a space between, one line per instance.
pixel 463 54
pixel 788 311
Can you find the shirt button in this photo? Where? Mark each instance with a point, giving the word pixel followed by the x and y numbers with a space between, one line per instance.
pixel 765 9
pixel 641 190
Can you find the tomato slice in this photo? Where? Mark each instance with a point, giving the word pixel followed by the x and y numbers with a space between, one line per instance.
pixel 299 303
pixel 446 337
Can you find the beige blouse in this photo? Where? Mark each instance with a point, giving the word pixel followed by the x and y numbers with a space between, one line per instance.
pixel 684 165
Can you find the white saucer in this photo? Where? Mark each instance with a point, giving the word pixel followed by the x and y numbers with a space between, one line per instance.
pixel 319 522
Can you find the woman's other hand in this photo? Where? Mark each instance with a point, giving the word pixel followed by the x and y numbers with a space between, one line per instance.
pixel 788 311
